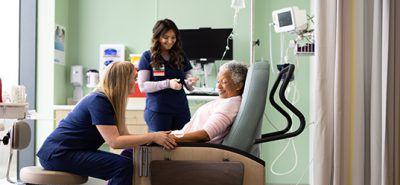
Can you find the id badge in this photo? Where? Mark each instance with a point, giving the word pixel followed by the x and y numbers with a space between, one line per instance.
pixel 159 71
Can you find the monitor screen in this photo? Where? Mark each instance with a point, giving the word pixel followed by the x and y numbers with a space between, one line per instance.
pixel 285 19
pixel 206 44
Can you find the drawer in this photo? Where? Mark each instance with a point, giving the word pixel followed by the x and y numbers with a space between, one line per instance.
pixel 137 129
pixel 134 117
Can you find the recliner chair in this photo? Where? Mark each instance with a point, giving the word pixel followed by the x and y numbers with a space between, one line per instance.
pixel 235 161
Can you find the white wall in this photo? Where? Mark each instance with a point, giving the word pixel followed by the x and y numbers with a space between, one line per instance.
pixel 45 70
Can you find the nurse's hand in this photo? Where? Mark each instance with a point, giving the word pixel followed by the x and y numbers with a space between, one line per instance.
pixel 174 84
pixel 163 139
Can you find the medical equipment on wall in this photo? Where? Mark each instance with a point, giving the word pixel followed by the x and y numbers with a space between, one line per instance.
pixel 77 81
pixel 110 53
pixel 289 19
pixel 295 21
pixel 92 78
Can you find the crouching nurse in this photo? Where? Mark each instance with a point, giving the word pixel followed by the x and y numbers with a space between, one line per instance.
pixel 97 118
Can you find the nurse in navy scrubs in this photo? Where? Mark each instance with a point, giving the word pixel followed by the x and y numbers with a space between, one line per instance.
pixel 163 72
pixel 97 118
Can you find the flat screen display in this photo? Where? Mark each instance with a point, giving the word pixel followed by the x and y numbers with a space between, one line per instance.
pixel 285 19
pixel 206 44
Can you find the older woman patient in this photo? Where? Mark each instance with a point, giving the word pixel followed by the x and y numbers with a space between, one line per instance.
pixel 213 120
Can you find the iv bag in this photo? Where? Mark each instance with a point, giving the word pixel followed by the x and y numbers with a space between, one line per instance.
pixel 238 4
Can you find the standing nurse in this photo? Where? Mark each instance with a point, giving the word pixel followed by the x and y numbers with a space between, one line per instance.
pixel 163 72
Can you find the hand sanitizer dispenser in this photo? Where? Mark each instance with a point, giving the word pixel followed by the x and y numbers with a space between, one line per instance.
pixel 77 81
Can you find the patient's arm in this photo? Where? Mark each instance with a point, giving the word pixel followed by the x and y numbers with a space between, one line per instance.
pixel 196 136
pixel 113 138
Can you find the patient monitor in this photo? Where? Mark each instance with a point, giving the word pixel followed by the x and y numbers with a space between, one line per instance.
pixel 289 19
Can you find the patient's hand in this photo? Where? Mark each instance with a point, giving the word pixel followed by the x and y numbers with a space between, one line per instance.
pixel 162 138
pixel 175 138
pixel 172 136
pixel 191 81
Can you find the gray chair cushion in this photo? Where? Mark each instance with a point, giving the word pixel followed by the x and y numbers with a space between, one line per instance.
pixel 247 125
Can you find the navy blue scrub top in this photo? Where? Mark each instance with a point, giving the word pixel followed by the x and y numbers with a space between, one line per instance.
pixel 166 100
pixel 78 130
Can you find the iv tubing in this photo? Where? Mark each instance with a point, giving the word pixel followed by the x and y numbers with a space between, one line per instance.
pixel 271 63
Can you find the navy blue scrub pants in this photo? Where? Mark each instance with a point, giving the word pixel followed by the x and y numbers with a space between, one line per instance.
pixel 118 169
pixel 157 121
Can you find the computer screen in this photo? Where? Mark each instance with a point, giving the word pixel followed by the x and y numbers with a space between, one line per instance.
pixel 285 19
pixel 206 44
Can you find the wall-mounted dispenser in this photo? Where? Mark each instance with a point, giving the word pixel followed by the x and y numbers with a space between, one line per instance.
pixel 110 53
pixel 92 78
pixel 77 81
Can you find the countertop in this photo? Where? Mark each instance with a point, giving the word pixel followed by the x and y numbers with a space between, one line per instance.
pixel 140 103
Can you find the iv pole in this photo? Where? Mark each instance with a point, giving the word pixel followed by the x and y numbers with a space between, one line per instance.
pixel 252 43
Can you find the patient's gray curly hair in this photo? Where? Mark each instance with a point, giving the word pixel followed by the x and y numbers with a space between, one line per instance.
pixel 238 70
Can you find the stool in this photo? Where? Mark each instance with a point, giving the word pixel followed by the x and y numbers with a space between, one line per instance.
pixel 37 175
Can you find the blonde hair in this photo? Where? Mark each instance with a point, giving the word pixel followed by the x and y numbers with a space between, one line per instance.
pixel 115 85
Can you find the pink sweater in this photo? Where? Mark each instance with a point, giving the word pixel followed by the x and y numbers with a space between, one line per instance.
pixel 215 117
